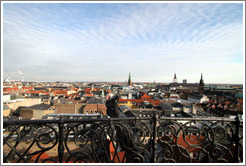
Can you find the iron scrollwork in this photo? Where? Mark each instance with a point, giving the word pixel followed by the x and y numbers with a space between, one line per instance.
pixel 196 141
pixel 29 143
pixel 128 140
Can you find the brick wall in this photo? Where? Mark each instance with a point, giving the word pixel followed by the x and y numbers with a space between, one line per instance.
pixel 26 113
pixel 38 114
pixel 68 108
pixel 94 108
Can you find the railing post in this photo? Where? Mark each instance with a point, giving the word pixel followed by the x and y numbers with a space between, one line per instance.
pixel 237 139
pixel 154 141
pixel 61 146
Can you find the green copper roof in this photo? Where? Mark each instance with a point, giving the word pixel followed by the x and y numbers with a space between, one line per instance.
pixel 223 88
pixel 239 95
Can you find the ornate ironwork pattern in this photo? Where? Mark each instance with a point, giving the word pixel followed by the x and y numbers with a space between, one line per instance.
pixel 132 140
pixel 29 142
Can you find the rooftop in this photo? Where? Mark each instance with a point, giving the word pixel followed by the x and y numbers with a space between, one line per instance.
pixel 40 106
pixel 196 96
pixel 95 101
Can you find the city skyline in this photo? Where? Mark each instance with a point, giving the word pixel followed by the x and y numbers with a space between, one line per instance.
pixel 104 41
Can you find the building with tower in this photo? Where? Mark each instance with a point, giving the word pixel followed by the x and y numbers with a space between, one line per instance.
pixel 201 86
pixel 175 80
pixel 185 86
pixel 129 83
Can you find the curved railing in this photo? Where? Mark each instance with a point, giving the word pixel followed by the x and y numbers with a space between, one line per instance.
pixel 132 140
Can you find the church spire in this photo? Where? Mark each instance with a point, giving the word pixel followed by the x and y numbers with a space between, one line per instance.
pixel 130 80
pixel 201 86
pixel 201 81
pixel 175 80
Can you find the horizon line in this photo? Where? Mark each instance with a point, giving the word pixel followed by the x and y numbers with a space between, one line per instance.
pixel 153 82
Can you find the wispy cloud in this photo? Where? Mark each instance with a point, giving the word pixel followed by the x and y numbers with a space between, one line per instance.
pixel 104 41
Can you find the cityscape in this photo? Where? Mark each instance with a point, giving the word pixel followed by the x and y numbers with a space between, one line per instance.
pixel 122 83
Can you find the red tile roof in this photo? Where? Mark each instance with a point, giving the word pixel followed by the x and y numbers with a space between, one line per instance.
pixel 155 102
pixel 145 96
pixel 117 157
pixel 96 89
pixel 42 157
pixel 240 101
pixel 87 90
pixel 29 87
pixel 189 141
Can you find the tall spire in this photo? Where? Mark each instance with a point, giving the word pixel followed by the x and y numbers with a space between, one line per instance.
pixel 130 80
pixel 201 86
pixel 201 80
pixel 175 80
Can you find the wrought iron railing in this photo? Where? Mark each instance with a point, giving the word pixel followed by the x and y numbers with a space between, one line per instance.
pixel 132 140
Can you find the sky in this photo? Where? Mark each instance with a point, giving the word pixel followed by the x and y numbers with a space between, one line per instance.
pixel 106 41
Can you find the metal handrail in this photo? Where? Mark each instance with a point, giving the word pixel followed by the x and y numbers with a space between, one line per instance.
pixel 115 119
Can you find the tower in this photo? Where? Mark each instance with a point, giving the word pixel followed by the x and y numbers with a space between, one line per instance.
pixel 201 86
pixel 102 93
pixel 129 80
pixel 175 80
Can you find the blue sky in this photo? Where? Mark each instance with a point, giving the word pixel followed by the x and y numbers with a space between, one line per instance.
pixel 104 41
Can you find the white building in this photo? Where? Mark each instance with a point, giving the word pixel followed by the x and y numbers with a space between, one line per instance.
pixel 172 95
pixel 198 99
pixel 138 86
pixel 6 98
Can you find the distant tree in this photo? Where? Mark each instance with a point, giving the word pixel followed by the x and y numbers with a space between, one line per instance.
pixel 184 95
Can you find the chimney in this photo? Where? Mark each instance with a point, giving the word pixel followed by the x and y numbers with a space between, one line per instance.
pixel 193 109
